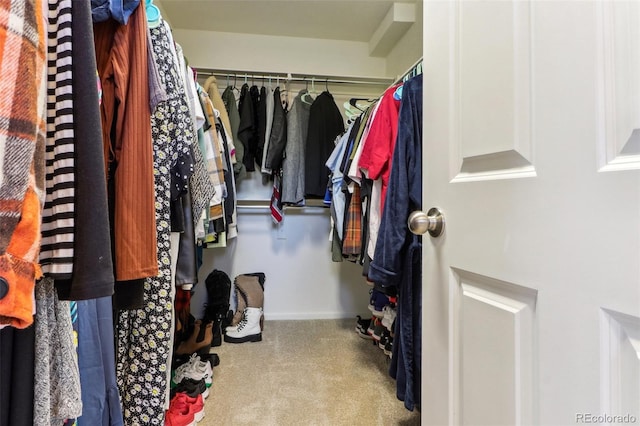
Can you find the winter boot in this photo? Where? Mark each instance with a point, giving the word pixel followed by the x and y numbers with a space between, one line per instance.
pixel 248 329
pixel 200 340
pixel 241 297
pixel 217 331
pixel 250 291
pixel 218 286
pixel 261 278
pixel 241 303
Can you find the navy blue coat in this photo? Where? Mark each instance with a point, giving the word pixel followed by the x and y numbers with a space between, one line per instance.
pixel 397 259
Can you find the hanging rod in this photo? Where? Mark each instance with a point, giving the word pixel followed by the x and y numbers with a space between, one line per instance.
pixel 411 69
pixel 266 204
pixel 306 78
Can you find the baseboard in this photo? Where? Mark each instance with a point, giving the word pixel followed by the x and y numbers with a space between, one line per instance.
pixel 310 315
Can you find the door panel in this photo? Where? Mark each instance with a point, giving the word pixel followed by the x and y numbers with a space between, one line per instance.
pixel 620 358
pixel 493 350
pixel 531 297
pixel 491 91
pixel 619 85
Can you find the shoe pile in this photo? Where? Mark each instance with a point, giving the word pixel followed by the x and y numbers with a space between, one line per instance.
pixel 189 388
pixel 380 328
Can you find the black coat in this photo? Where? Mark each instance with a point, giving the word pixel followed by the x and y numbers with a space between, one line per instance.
pixel 325 124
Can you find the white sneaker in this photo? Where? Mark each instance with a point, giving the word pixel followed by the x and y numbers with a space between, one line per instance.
pixel 194 369
pixel 389 315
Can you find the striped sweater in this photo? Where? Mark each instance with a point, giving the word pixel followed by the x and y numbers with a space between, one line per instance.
pixel 56 254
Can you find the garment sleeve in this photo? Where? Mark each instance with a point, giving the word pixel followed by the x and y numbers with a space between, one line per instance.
pixel 376 153
pixel 404 193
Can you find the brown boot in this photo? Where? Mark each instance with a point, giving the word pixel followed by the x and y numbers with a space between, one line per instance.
pixel 199 341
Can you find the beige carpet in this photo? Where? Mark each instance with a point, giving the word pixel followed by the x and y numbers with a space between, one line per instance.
pixel 305 373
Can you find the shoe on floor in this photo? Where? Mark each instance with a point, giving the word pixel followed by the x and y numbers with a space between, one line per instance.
pixel 184 410
pixel 191 388
pixel 248 329
pixel 194 369
pixel 362 326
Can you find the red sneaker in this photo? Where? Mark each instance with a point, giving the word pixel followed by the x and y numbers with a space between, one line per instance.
pixel 184 410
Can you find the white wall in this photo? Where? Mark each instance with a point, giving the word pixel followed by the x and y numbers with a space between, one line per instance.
pixel 220 50
pixel 408 49
pixel 302 281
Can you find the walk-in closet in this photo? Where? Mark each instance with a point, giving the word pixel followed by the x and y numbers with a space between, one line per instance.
pixel 190 211
pixel 319 212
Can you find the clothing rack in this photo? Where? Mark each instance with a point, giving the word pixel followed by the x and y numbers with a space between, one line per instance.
pixel 290 77
pixel 266 204
pixel 415 68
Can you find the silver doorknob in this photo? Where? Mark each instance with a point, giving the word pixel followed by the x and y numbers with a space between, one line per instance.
pixel 420 222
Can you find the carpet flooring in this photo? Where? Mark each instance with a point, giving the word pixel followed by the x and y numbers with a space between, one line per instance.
pixel 304 373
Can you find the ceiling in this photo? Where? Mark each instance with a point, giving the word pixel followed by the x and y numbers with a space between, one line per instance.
pixel 323 19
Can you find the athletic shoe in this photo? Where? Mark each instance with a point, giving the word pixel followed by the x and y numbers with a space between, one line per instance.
pixel 192 388
pixel 389 315
pixel 388 347
pixel 377 302
pixel 212 359
pixel 362 326
pixel 378 330
pixel 184 410
pixel 194 369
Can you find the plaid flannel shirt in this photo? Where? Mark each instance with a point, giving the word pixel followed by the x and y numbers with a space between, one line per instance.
pixel 22 135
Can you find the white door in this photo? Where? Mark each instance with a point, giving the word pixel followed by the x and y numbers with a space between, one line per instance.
pixel 531 300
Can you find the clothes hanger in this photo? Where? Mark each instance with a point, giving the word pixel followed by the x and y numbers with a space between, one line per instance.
pixel 361 104
pixel 153 14
pixel 397 95
pixel 306 96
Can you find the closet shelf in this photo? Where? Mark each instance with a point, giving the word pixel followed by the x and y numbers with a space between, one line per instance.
pixel 297 77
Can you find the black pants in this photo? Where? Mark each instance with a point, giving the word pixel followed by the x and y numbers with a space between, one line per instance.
pixel 17 369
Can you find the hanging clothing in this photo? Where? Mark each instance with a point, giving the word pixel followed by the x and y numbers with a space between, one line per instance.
pixel 383 132
pixel 294 157
pixel 269 106
pixel 92 263
pixel 142 379
pixel 397 260
pixel 57 395
pixel 211 87
pixel 230 197
pixel 338 199
pixel 230 105
pixel 120 10
pixel 247 127
pixel 17 361
pixel 278 137
pixel 97 364
pixel 22 135
pixel 325 124
pixel 214 157
pixel 121 52
pixel 58 223
pixel 262 125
